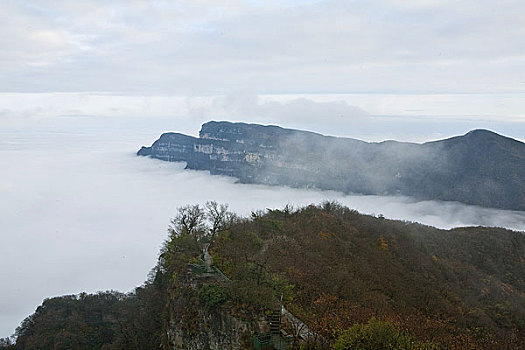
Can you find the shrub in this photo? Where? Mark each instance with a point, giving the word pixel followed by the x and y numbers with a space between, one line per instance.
pixel 377 334
pixel 212 295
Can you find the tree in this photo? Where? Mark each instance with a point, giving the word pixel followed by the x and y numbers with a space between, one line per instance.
pixel 6 343
pixel 377 334
pixel 188 221
pixel 219 218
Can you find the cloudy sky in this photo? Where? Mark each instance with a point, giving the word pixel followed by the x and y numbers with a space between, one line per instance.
pixel 84 84
pixel 407 69
pixel 286 46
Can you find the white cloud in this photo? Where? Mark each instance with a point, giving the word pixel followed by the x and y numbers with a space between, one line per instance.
pixel 372 117
pixel 80 212
pixel 195 47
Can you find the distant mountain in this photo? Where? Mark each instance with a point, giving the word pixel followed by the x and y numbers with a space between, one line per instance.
pixel 479 168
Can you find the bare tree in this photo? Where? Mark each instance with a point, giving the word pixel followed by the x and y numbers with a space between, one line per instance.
pixel 189 221
pixel 219 218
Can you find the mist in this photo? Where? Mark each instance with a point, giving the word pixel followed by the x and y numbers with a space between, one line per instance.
pixel 79 211
pixel 86 84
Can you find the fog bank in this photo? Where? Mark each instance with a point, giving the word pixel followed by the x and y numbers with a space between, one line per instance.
pixel 80 212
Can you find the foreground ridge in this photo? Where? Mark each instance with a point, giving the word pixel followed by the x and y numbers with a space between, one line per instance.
pixel 317 277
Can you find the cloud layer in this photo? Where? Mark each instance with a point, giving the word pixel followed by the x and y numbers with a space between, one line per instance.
pixel 370 117
pixel 80 212
pixel 201 47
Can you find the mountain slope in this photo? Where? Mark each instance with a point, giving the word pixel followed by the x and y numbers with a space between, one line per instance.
pixel 480 168
pixel 486 169
pixel 330 266
pixel 450 287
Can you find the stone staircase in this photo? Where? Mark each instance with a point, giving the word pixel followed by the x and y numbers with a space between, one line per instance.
pixel 274 320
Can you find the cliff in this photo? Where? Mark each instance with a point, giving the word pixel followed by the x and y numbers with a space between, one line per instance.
pixel 194 324
pixel 480 168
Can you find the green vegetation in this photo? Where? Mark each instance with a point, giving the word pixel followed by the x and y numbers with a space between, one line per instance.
pixel 107 320
pixel 357 281
pixel 375 335
pixel 212 295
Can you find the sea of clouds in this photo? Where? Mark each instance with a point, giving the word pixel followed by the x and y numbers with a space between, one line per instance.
pixel 79 211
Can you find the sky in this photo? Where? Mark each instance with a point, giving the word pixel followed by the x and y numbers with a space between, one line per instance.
pixel 202 47
pixel 413 70
pixel 84 84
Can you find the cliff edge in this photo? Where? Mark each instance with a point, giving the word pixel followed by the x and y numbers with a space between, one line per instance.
pixel 480 168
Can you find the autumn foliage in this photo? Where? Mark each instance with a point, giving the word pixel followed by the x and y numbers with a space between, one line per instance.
pixel 356 281
pixel 457 289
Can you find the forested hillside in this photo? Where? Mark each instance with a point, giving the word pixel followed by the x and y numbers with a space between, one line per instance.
pixel 453 288
pixel 353 279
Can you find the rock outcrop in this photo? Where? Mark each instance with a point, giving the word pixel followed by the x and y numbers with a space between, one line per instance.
pixel 215 330
pixel 195 325
pixel 480 168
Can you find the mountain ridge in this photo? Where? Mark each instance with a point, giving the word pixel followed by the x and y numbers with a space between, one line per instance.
pixel 333 268
pixel 479 168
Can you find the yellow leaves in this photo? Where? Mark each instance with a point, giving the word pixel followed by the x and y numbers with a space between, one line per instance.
pixel 326 298
pixel 506 289
pixel 383 244
pixel 325 235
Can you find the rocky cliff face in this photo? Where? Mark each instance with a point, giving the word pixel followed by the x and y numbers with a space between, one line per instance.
pixel 481 167
pixel 193 325
pixel 212 330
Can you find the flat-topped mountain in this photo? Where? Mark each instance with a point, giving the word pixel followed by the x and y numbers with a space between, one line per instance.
pixel 480 167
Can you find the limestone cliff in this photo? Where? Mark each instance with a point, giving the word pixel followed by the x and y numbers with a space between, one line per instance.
pixel 481 167
pixel 194 325
pixel 212 329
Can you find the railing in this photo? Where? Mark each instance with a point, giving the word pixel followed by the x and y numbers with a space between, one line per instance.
pixel 200 269
pixel 263 341
pixel 269 341
pixel 197 269
pixel 219 274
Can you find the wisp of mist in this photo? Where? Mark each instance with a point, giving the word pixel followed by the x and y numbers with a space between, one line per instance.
pixel 79 211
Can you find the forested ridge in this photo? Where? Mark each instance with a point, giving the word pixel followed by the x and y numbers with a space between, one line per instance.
pixel 357 281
